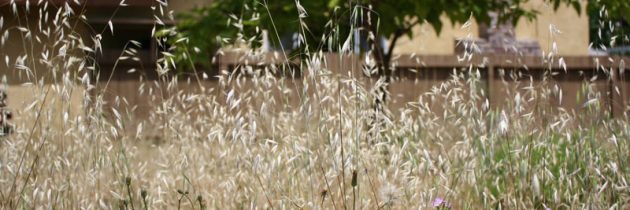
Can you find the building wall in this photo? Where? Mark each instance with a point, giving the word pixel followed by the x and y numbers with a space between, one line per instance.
pixel 24 86
pixel 428 42
pixel 573 39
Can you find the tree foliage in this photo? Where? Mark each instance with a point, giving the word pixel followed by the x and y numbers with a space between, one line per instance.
pixel 329 24
pixel 222 21
pixel 609 24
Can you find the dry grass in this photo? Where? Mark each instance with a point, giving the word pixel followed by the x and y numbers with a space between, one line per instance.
pixel 249 144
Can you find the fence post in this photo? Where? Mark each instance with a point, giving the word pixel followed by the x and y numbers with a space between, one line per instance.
pixel 490 86
pixel 618 90
pixel 5 115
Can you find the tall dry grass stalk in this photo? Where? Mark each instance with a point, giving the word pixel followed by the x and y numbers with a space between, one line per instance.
pixel 258 140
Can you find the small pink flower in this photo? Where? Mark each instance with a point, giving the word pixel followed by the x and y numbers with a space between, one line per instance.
pixel 441 203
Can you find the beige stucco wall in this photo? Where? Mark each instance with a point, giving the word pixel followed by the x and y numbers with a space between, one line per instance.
pixel 574 36
pixel 57 103
pixel 573 40
pixel 27 86
pixel 427 42
pixel 23 86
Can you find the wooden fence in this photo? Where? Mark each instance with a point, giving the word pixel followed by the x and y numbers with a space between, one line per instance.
pixel 416 75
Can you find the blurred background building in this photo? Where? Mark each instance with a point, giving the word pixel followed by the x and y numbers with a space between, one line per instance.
pixel 511 47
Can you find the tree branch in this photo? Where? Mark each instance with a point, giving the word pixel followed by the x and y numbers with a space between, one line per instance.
pixel 392 45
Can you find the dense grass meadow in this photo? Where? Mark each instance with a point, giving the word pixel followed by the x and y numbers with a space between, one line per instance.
pixel 257 140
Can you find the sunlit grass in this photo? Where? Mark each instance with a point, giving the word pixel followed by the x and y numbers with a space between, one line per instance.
pixel 249 139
